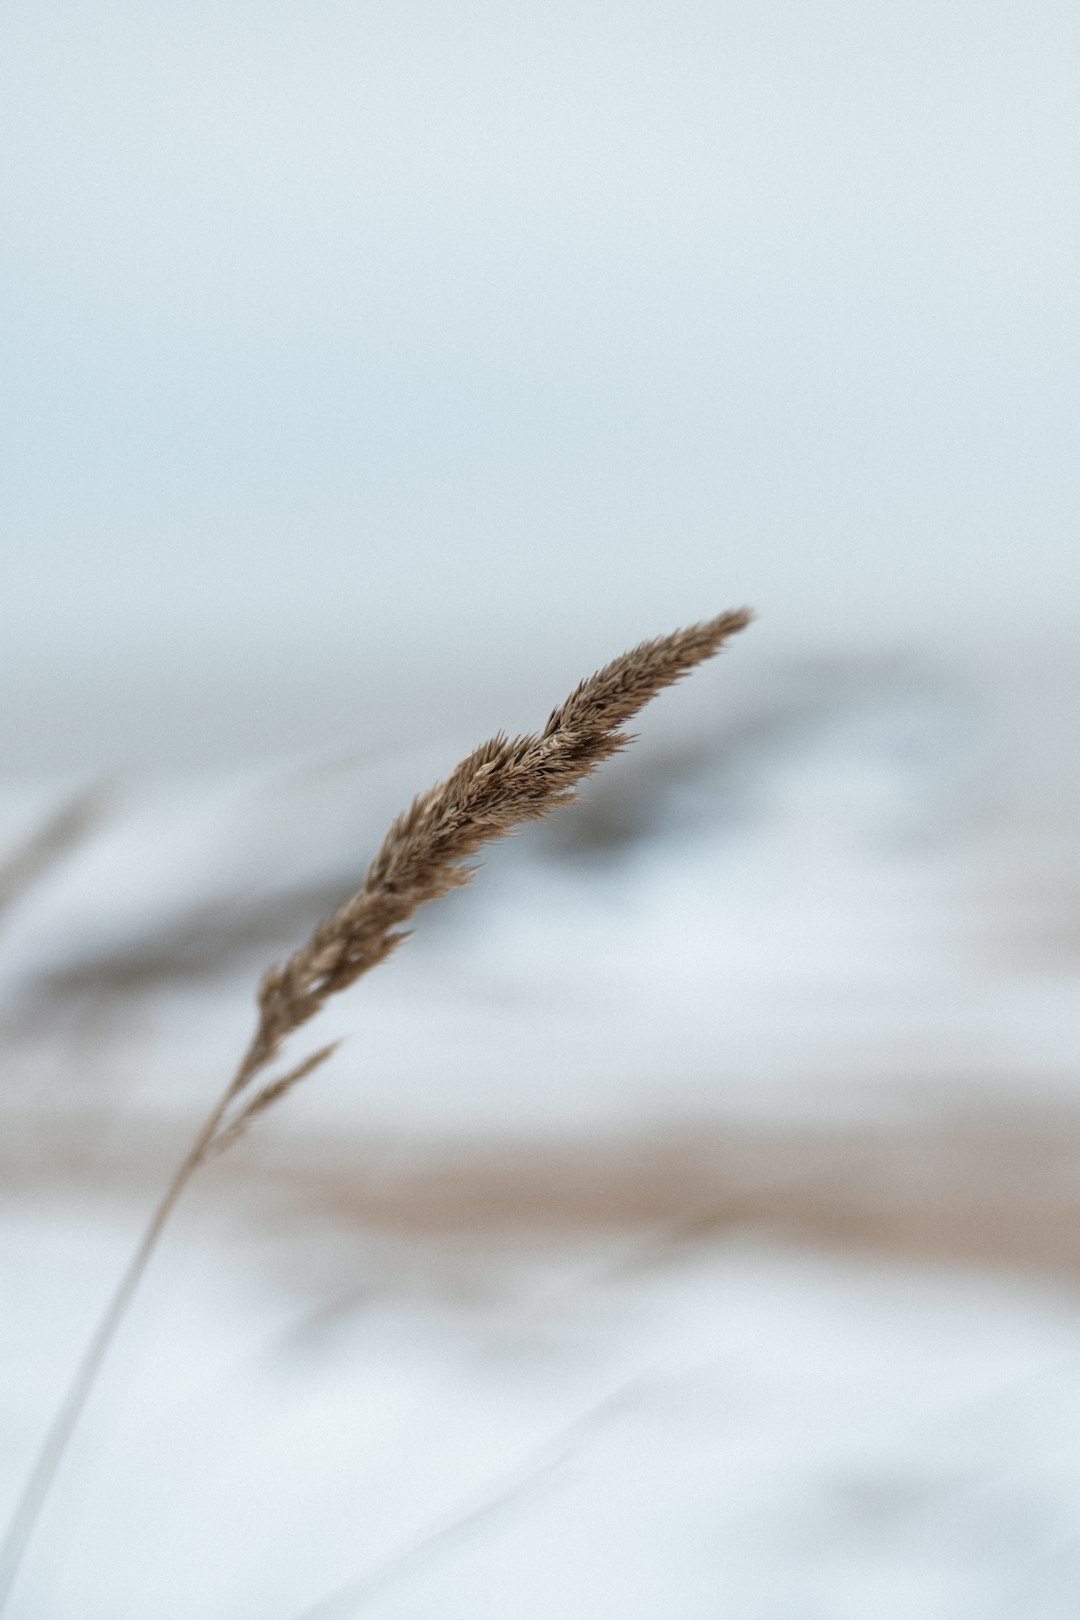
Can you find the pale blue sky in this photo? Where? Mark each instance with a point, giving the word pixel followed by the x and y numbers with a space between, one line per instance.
pixel 346 338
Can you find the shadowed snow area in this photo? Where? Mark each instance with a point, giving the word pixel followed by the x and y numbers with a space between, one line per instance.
pixel 853 888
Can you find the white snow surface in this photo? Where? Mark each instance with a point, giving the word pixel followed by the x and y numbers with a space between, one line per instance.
pixel 598 1428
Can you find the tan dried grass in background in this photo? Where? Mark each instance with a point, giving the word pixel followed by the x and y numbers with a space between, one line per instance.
pixel 501 785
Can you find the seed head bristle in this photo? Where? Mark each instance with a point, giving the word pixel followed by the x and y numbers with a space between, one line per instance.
pixel 504 783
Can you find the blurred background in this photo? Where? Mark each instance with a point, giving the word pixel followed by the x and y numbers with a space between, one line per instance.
pixel 690 1222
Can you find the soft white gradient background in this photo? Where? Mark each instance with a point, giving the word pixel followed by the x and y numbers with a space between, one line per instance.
pixel 367 365
pixel 370 372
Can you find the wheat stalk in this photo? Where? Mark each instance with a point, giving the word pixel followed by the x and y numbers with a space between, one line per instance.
pixel 501 785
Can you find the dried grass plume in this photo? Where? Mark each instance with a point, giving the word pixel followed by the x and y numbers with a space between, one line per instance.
pixel 501 785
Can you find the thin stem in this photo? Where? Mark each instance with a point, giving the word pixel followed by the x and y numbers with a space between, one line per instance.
pixel 40 1480
pixel 505 1493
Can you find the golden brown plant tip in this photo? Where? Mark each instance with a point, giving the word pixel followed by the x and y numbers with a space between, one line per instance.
pixel 501 785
